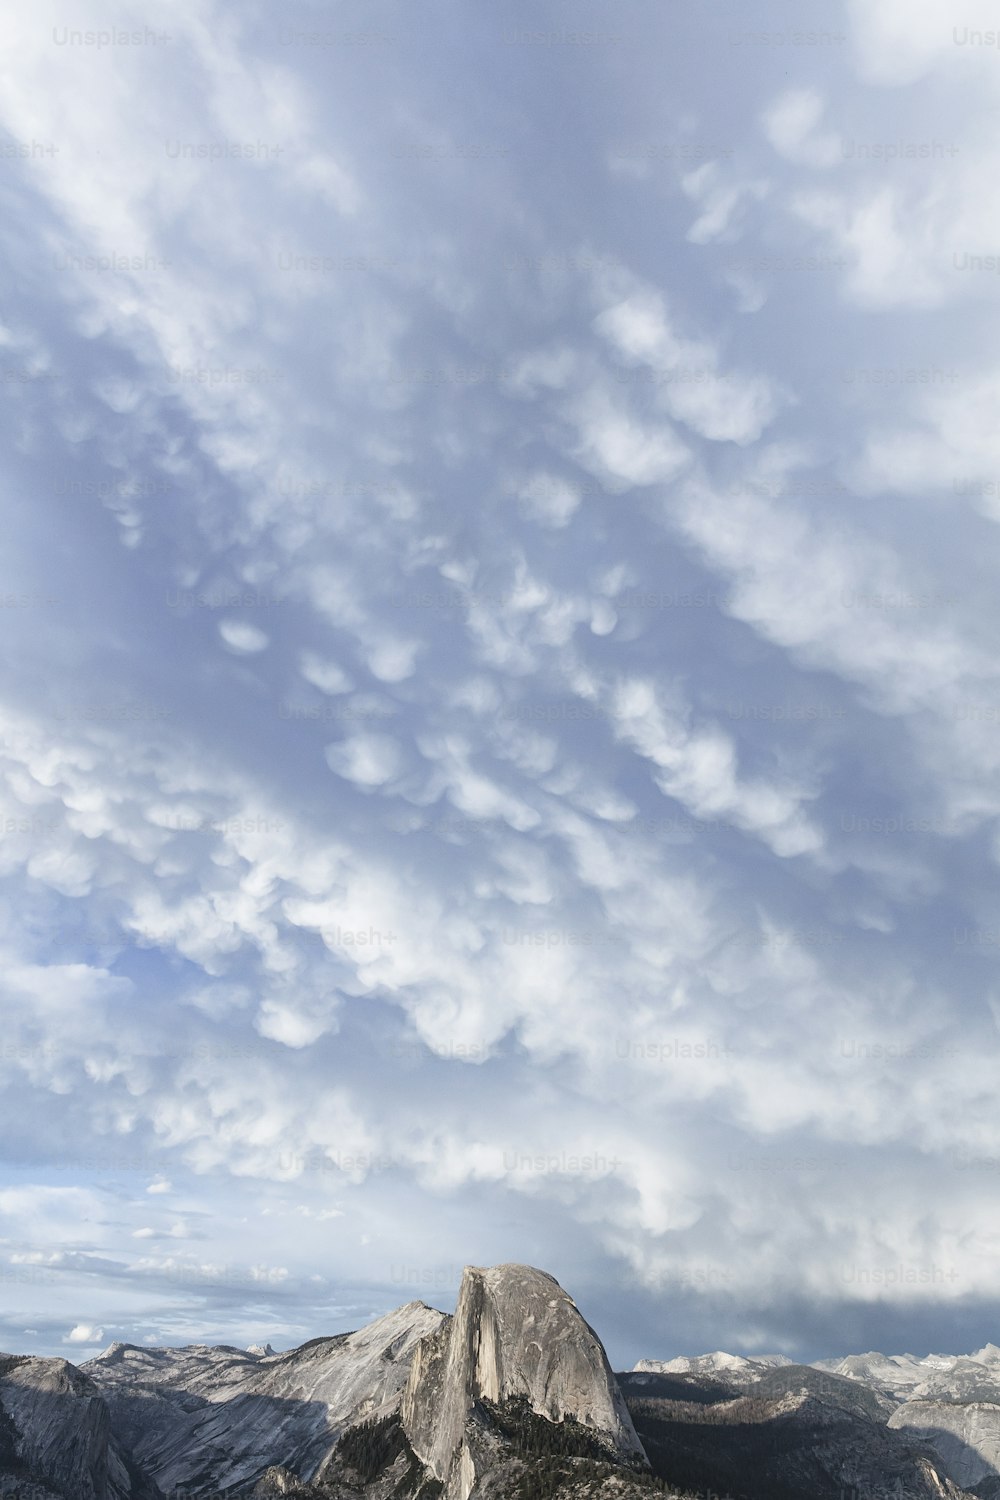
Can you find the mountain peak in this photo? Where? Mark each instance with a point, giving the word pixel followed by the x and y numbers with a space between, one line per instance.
pixel 734 1365
pixel 515 1335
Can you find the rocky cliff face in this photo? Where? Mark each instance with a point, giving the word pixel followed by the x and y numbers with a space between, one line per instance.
pixel 206 1419
pixel 965 1436
pixel 515 1335
pixel 55 1436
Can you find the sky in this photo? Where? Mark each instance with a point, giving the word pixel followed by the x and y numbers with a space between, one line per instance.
pixel 500 733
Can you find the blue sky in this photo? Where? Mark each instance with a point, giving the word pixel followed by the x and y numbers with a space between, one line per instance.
pixel 501 708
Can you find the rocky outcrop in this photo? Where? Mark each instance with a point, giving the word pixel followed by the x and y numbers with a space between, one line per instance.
pixel 55 1435
pixel 515 1335
pixel 965 1436
pixel 204 1419
pixel 274 1482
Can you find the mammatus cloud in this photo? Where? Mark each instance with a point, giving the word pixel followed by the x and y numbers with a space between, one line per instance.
pixel 499 729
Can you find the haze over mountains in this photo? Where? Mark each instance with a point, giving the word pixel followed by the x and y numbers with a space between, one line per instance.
pixel 511 1396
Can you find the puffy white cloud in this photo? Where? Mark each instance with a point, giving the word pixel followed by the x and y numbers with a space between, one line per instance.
pixel 84 1333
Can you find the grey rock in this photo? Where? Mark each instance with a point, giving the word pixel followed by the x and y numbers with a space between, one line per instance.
pixel 515 1333
pixel 951 1377
pixel 203 1419
pixel 951 1402
pixel 964 1435
pixel 275 1481
pixel 57 1432
pixel 792 1431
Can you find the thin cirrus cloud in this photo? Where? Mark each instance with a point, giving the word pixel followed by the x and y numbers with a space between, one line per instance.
pixel 475 643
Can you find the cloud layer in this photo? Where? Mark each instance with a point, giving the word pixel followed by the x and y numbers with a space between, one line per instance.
pixel 500 722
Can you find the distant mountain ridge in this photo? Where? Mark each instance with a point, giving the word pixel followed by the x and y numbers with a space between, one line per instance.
pixel 949 1404
pixel 735 1366
pixel 509 1398
pixel 907 1375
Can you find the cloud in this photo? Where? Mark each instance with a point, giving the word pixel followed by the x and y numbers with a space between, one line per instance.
pixel 326 675
pixel 898 46
pixel 722 201
pixel 367 759
pixel 242 637
pixel 697 768
pixel 84 1333
pixel 719 406
pixel 459 653
pixel 790 126
pixel 549 499
pixel 621 450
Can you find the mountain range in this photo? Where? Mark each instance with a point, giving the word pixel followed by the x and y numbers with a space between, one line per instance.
pixel 511 1397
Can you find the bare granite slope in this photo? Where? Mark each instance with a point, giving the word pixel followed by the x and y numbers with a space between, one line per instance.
pixel 515 1334
pixel 57 1435
pixel 951 1402
pixel 204 1419
pixel 965 1435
